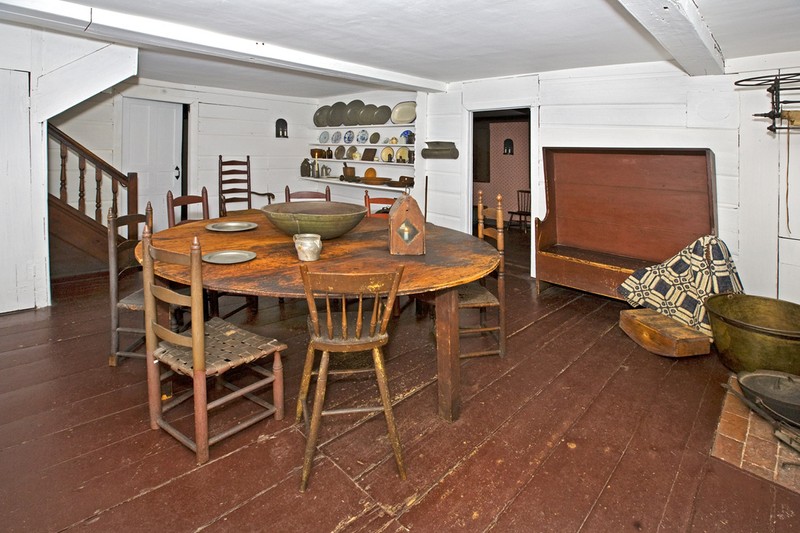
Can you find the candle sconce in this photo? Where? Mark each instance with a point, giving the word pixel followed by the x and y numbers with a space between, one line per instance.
pixel 508 147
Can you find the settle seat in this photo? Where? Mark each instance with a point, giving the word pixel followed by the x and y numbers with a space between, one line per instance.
pixel 611 211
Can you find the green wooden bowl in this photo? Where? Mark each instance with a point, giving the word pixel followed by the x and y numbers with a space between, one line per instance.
pixel 327 219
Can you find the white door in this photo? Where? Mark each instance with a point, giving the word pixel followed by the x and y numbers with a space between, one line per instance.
pixel 18 233
pixel 151 146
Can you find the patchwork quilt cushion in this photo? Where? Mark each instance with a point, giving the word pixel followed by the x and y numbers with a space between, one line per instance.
pixel 679 286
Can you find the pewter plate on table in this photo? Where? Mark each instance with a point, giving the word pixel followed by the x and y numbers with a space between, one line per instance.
pixel 229 257
pixel 231 226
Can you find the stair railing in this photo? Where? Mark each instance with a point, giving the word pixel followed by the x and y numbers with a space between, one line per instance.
pixel 69 146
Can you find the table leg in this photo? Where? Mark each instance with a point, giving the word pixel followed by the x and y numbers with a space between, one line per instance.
pixel 447 354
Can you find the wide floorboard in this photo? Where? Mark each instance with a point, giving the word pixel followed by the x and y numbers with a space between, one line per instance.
pixel 576 429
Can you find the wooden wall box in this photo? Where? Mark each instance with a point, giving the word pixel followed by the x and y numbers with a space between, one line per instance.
pixel 611 211
pixel 406 227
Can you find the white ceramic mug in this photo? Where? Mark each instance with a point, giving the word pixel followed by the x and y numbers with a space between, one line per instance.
pixel 308 246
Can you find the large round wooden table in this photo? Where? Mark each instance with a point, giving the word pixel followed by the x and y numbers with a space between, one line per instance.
pixel 451 259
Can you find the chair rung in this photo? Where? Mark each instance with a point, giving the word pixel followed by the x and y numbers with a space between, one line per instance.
pixel 240 426
pixel 175 432
pixel 136 355
pixel 467 355
pixel 485 329
pixel 351 410
pixel 131 330
pixel 239 391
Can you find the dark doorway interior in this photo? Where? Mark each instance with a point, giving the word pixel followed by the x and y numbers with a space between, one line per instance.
pixel 497 169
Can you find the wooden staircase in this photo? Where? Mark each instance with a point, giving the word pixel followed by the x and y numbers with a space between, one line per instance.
pixel 78 239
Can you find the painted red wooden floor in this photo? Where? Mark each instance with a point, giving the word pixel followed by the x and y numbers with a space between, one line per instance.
pixel 577 429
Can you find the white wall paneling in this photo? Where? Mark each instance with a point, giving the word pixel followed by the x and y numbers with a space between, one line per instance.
pixel 788 286
pixel 758 198
pixel 19 231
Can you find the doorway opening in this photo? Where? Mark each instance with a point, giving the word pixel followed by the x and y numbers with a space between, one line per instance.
pixel 501 164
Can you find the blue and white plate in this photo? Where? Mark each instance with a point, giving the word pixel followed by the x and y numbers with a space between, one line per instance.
pixel 324 136
pixel 336 137
pixel 363 135
pixel 348 136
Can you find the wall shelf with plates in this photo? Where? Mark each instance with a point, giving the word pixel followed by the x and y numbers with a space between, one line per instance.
pixel 361 136
pixel 356 184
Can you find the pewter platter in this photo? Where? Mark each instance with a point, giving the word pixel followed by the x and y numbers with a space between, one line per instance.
pixel 229 257
pixel 231 226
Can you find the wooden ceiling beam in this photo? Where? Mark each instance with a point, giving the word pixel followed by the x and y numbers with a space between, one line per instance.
pixel 679 27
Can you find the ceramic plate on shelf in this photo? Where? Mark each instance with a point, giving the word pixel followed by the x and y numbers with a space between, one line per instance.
pixel 349 136
pixel 382 115
pixel 351 114
pixel 351 152
pixel 362 137
pixel 231 226
pixel 336 115
pixel 339 153
pixel 229 257
pixel 402 155
pixel 336 137
pixel 375 137
pixel 387 154
pixel 370 173
pixel 404 136
pixel 324 136
pixel 404 113
pixel 367 114
pixel 321 116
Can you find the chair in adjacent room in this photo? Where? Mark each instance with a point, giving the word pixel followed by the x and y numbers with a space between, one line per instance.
pixel 186 201
pixel 202 200
pixel 122 265
pixel 235 187
pixel 523 211
pixel 477 295
pixel 383 205
pixel 210 350
pixel 308 195
pixel 344 333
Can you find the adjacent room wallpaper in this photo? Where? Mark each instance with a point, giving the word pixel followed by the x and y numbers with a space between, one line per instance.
pixel 507 172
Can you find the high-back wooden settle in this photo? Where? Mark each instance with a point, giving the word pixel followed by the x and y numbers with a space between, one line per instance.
pixel 611 211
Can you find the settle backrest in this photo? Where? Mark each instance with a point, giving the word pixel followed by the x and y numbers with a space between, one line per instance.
pixel 640 203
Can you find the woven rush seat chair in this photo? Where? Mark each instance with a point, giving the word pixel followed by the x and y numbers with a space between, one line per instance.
pixel 121 264
pixel 476 295
pixel 212 297
pixel 213 348
pixel 363 329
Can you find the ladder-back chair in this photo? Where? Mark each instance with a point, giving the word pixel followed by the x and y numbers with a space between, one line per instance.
pixel 212 348
pixel 308 195
pixel 186 201
pixel 381 203
pixel 121 265
pixel 235 185
pixel 335 329
pixel 212 297
pixel 477 295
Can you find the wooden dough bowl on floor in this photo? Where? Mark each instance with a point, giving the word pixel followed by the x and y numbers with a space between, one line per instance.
pixel 663 335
